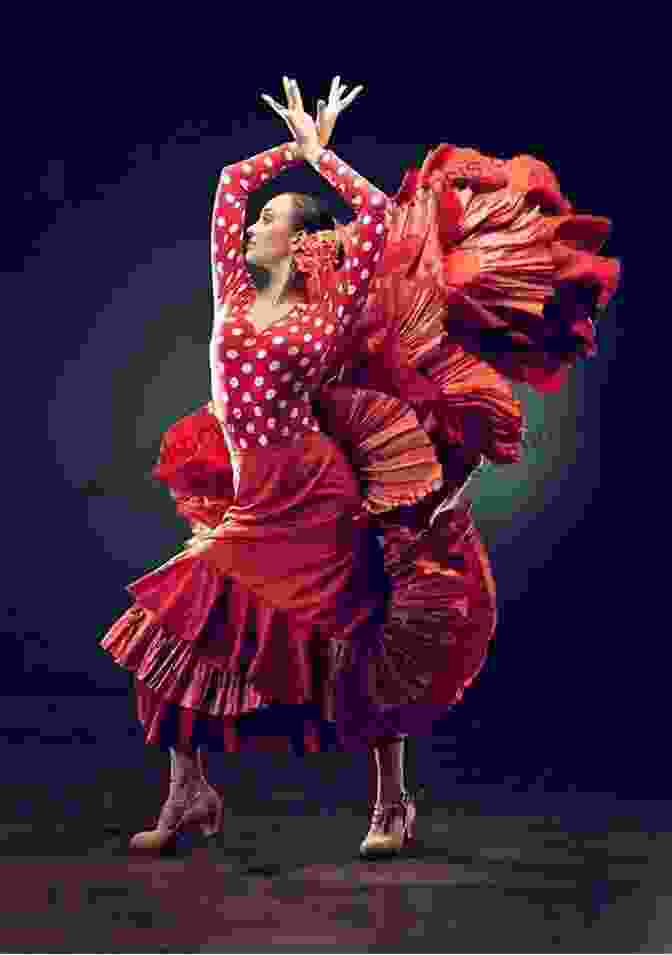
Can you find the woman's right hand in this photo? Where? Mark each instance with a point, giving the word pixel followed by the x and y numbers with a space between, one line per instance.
pixel 328 113
pixel 301 125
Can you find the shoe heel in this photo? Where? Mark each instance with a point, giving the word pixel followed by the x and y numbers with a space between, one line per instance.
pixel 412 814
pixel 409 829
pixel 214 823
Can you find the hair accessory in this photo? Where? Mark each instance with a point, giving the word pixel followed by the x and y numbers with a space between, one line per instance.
pixel 316 257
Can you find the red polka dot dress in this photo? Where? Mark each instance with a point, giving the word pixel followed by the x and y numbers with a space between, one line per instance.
pixel 262 382
pixel 289 535
pixel 473 248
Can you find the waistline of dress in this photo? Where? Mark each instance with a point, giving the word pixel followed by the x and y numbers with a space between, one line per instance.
pixel 278 446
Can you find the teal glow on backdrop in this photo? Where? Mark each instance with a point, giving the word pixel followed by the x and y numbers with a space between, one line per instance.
pixel 506 497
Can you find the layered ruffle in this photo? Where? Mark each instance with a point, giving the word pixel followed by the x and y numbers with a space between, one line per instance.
pixel 242 640
pixel 176 670
pixel 465 404
pixel 488 277
pixel 195 465
pixel 250 658
pixel 441 612
pixel 439 620
pixel 516 270
pixel 392 454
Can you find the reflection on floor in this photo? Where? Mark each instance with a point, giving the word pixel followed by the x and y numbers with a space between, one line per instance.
pixel 502 865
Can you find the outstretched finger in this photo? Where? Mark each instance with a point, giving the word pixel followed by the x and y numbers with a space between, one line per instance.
pixel 348 99
pixel 298 101
pixel 286 82
pixel 281 111
pixel 276 106
pixel 333 92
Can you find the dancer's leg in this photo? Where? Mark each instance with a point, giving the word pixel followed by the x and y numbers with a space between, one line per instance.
pixel 393 816
pixel 188 765
pixel 191 801
pixel 389 756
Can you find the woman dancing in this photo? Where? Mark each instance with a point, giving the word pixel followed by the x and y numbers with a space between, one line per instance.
pixel 289 534
pixel 278 604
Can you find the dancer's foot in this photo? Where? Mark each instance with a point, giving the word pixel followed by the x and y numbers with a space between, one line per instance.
pixel 392 827
pixel 191 805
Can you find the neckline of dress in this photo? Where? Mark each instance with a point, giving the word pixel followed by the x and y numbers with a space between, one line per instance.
pixel 282 318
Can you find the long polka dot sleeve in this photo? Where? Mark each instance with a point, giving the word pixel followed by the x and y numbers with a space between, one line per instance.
pixel 262 381
pixel 366 242
pixel 228 217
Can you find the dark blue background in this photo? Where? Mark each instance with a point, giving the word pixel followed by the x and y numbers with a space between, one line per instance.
pixel 108 281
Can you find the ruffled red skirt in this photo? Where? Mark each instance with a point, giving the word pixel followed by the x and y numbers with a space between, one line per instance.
pixel 327 631
pixel 290 536
pixel 282 639
pixel 254 680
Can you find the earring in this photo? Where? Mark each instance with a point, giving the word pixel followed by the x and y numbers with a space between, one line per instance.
pixel 292 274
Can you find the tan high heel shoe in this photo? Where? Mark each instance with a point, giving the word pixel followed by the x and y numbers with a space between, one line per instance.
pixel 183 811
pixel 392 827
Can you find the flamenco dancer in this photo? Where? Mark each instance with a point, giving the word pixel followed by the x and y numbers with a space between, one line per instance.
pixel 353 399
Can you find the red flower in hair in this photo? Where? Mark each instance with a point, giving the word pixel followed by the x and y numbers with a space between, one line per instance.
pixel 317 251
pixel 317 257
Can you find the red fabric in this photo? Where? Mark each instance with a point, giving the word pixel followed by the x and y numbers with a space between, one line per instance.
pixel 207 674
pixel 488 276
pixel 443 609
pixel 513 280
pixel 193 684
pixel 440 619
pixel 263 379
pixel 168 724
pixel 193 459
pixel 295 503
pixel 471 401
pixel 289 537
pixel 317 258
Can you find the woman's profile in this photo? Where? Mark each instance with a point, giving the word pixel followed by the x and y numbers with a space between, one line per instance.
pixel 360 377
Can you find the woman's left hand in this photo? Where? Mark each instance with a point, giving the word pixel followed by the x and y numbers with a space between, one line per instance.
pixel 201 540
pixel 328 113
pixel 301 125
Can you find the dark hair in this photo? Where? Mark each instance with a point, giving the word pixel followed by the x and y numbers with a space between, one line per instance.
pixel 312 215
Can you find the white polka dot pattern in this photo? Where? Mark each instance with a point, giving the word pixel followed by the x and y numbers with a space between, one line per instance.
pixel 235 182
pixel 264 380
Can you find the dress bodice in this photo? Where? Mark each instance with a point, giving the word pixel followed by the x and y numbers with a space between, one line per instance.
pixel 262 381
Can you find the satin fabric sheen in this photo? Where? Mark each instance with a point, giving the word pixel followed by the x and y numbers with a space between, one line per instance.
pixel 289 537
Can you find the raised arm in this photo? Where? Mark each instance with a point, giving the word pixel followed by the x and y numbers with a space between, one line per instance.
pixel 228 215
pixel 366 240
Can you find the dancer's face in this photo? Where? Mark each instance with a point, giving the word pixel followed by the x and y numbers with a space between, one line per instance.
pixel 272 237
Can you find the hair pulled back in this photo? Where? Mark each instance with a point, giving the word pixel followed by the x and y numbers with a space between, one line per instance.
pixel 311 215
